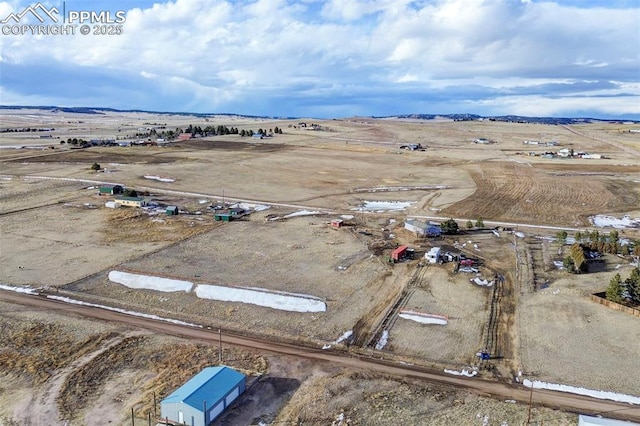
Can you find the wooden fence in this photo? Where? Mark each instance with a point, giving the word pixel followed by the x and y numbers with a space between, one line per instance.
pixel 613 305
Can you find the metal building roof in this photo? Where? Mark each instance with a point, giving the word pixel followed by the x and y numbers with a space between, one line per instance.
pixel 210 385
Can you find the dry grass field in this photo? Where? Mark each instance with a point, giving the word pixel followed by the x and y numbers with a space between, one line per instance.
pixel 56 232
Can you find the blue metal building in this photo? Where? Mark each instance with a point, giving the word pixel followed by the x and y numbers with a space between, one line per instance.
pixel 204 397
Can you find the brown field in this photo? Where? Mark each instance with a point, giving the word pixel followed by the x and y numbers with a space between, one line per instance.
pixel 56 232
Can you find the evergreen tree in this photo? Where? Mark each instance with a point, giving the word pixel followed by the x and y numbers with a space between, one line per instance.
pixel 479 223
pixel 568 264
pixel 615 289
pixel 469 224
pixel 449 226
pixel 633 286
pixel 561 237
pixel 578 237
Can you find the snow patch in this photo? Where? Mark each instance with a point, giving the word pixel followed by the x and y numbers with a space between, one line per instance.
pixel 619 397
pixel 383 340
pixel 122 311
pixel 479 281
pixel 149 283
pixel 423 318
pixel 381 206
pixel 463 372
pixel 602 221
pixel 25 290
pixel 159 178
pixel 281 301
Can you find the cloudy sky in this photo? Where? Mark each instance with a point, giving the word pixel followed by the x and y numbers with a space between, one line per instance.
pixel 335 58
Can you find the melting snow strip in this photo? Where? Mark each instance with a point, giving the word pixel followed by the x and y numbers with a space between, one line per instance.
pixel 619 397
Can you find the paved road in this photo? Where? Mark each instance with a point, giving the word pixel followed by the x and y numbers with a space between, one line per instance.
pixel 503 391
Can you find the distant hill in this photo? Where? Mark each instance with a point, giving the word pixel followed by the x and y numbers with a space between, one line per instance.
pixel 101 110
pixel 455 117
pixel 510 118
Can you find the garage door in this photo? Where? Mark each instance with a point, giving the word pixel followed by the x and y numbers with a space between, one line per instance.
pixel 215 411
pixel 232 396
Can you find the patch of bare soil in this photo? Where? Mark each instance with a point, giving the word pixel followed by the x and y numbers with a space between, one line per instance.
pixel 118 155
pixel 263 146
pixel 356 398
pixel 35 350
pixel 72 373
pixel 134 225
pixel 517 192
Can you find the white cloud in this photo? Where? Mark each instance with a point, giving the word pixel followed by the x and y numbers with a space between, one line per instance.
pixel 217 52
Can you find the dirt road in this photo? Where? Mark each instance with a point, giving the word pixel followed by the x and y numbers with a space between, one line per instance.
pixel 557 400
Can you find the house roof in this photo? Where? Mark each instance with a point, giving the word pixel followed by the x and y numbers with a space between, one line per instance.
pixel 417 223
pixel 210 386
pixel 124 197
pixel 601 421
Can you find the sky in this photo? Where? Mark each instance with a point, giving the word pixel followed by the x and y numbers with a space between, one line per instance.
pixel 332 58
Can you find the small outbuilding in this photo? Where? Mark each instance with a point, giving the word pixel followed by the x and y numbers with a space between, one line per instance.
pixel 172 210
pixel 111 205
pixel 337 223
pixel 433 255
pixel 109 189
pixel 204 397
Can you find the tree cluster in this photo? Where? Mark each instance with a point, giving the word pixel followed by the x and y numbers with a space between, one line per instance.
pixel 600 242
pixel 576 261
pixel 627 291
pixel 449 226
pixel 76 141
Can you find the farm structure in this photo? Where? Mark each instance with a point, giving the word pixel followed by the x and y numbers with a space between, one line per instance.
pixel 204 397
pixel 229 215
pixel 433 255
pixel 337 223
pixel 401 253
pixel 131 201
pixel 108 189
pixel 171 210
pixel 422 229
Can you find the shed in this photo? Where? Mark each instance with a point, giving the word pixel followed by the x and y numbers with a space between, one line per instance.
pixel 337 223
pixel 110 189
pixel 399 253
pixel 172 210
pixel 111 205
pixel 204 397
pixel 223 217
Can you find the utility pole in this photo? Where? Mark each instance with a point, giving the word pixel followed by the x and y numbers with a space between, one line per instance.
pixel 220 347
pixel 530 402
